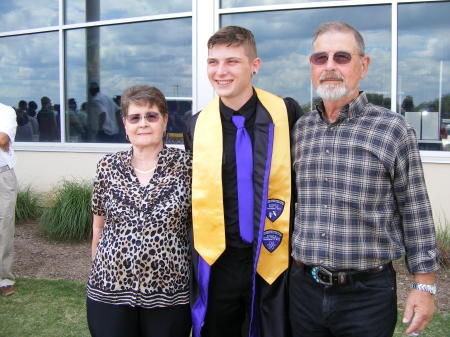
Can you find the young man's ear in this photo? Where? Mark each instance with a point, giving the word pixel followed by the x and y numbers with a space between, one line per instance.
pixel 255 65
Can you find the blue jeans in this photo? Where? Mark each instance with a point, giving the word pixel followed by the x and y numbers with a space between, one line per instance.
pixel 363 308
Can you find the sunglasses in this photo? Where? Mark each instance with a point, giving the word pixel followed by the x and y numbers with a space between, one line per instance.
pixel 151 117
pixel 339 57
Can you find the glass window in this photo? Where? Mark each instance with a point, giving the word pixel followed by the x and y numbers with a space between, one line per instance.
pixel 95 10
pixel 242 3
pixel 423 71
pixel 284 44
pixel 19 14
pixel 104 61
pixel 30 83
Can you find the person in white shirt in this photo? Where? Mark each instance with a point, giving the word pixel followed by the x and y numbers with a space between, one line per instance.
pixel 105 111
pixel 8 194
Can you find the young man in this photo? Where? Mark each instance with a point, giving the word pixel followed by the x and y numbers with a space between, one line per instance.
pixel 362 203
pixel 241 196
pixel 8 194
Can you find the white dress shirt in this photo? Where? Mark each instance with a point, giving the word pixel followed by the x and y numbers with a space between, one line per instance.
pixel 8 125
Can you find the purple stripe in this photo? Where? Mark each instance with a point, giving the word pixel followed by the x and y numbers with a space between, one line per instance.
pixel 199 309
pixel 254 332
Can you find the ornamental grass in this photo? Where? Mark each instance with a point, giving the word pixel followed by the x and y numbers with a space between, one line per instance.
pixel 69 217
pixel 28 207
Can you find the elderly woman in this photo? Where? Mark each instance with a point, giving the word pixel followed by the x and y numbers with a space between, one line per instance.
pixel 138 284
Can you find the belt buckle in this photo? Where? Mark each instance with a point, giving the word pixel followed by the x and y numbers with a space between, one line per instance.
pixel 316 273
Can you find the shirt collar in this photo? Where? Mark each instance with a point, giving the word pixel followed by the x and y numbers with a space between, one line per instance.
pixel 247 110
pixel 350 110
pixel 129 154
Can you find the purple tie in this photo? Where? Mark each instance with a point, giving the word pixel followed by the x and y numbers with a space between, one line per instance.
pixel 244 168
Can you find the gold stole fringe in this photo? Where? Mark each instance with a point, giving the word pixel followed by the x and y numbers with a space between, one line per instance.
pixel 207 196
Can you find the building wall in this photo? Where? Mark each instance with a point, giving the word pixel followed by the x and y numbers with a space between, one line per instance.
pixel 43 170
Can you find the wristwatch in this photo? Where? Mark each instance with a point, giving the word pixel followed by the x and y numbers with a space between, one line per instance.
pixel 429 288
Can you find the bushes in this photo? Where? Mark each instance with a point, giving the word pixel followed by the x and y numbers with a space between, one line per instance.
pixel 68 217
pixel 27 206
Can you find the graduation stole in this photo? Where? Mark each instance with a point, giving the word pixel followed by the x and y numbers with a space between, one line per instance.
pixel 207 194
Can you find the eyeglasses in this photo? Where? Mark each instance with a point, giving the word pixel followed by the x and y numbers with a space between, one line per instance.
pixel 151 117
pixel 340 57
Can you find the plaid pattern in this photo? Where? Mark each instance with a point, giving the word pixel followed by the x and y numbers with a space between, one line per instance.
pixel 362 200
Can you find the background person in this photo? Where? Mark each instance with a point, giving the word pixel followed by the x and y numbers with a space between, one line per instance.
pixel 141 202
pixel 8 194
pixel 48 125
pixel 362 202
pixel 241 240
pixel 103 112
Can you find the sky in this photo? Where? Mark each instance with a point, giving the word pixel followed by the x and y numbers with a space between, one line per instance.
pixel 159 52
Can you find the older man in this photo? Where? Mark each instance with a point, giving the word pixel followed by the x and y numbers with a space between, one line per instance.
pixel 8 193
pixel 362 202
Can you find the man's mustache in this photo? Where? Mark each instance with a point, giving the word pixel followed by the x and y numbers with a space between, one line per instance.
pixel 331 76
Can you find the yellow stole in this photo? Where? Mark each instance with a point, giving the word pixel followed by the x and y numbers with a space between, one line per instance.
pixel 207 196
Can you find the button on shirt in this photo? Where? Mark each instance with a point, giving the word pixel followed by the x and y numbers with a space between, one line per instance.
pixel 362 200
pixel 8 125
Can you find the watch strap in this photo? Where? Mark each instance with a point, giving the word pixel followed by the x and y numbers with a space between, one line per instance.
pixel 429 288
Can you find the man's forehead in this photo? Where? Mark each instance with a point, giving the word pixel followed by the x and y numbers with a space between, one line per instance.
pixel 227 51
pixel 334 41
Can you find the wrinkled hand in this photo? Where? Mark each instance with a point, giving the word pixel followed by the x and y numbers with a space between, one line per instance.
pixel 4 147
pixel 4 142
pixel 420 308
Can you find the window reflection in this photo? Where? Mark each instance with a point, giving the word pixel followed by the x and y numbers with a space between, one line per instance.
pixel 19 14
pixel 284 44
pixel 30 83
pixel 423 71
pixel 242 3
pixel 103 61
pixel 94 10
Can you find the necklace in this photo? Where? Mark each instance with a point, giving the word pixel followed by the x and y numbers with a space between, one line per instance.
pixel 144 172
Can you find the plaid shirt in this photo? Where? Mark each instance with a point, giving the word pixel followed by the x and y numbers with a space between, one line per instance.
pixel 362 200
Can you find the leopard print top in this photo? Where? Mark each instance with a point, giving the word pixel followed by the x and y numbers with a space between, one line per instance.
pixel 143 257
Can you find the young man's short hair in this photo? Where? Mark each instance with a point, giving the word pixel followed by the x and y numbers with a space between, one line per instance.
pixel 235 36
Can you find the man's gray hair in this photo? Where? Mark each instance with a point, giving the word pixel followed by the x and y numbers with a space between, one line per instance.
pixel 344 28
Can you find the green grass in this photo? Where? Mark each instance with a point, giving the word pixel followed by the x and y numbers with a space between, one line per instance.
pixel 69 217
pixel 44 308
pixel 438 327
pixel 27 205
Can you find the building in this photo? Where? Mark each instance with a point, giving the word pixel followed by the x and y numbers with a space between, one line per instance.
pixel 54 52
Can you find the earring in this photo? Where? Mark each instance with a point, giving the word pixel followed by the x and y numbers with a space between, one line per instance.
pixel 254 73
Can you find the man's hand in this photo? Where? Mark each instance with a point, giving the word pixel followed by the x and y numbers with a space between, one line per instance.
pixel 4 142
pixel 420 308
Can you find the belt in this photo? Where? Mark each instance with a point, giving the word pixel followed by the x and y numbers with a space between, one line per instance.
pixel 327 277
pixel 4 168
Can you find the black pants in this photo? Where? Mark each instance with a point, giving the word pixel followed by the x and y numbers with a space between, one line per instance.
pixel 363 308
pixel 108 320
pixel 229 295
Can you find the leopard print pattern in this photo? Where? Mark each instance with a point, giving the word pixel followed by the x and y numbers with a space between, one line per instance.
pixel 143 256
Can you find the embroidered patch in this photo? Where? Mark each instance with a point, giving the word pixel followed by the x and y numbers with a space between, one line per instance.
pixel 272 239
pixel 274 209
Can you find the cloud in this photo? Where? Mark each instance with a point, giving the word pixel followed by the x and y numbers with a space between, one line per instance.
pixel 16 15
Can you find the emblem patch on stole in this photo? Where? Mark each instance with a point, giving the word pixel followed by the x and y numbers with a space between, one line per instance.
pixel 274 209
pixel 271 239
